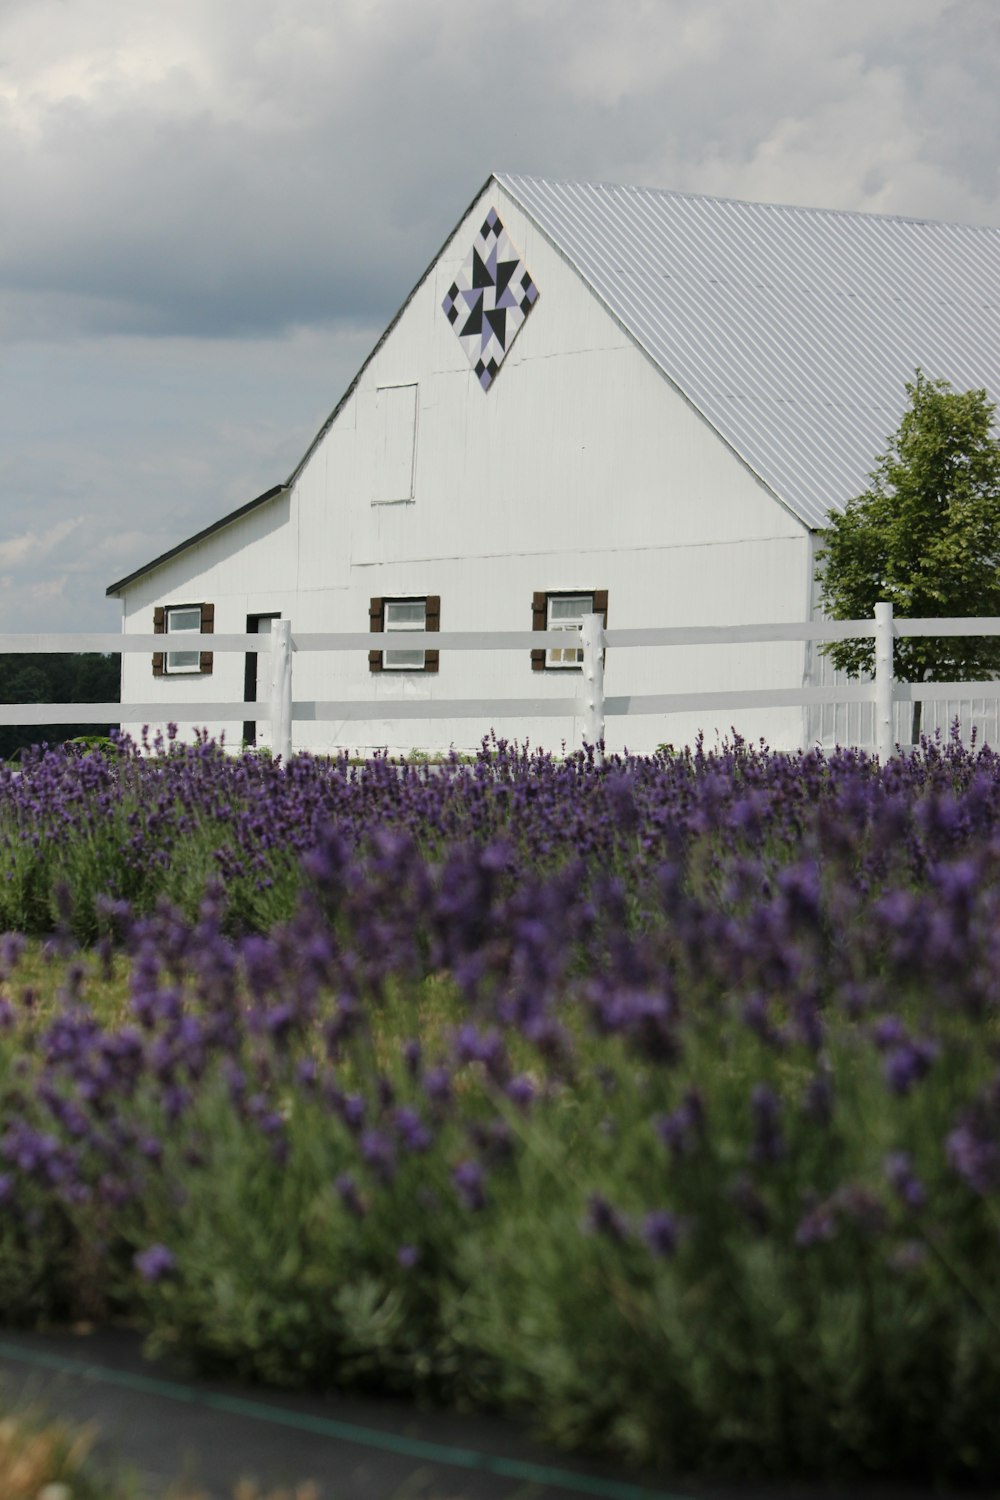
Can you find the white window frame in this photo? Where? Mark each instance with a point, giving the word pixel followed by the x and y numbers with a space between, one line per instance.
pixel 400 660
pixel 172 663
pixel 566 659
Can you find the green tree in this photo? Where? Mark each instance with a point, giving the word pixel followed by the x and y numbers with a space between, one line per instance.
pixel 925 537
pixel 55 677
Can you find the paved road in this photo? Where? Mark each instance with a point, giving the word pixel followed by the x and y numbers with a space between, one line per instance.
pixel 165 1426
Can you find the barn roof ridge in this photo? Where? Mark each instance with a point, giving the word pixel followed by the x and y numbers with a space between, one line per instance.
pixel 822 210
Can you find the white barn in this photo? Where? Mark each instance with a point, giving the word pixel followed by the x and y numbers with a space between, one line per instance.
pixel 595 397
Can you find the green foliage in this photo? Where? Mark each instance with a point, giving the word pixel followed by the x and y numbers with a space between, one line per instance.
pixel 739 1353
pixel 925 537
pixel 54 677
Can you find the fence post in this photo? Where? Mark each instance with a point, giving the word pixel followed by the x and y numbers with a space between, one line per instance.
pixel 884 738
pixel 592 641
pixel 281 689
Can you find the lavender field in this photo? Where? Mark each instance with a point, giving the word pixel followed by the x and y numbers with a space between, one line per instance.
pixel 659 1100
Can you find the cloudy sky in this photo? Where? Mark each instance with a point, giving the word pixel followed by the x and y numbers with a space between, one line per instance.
pixel 209 211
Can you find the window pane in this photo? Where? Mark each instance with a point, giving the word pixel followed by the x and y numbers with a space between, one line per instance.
pixel 401 614
pixel 183 661
pixel 184 619
pixel 398 659
pixel 570 608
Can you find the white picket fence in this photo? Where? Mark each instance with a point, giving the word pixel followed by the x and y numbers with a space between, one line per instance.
pixel 589 703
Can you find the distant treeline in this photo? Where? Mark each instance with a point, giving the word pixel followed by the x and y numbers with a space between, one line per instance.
pixel 55 678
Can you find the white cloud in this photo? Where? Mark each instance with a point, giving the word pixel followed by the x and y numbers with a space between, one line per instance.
pixel 48 589
pixel 33 546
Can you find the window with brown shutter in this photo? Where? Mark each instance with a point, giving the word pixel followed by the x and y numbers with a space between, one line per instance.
pixel 178 620
pixel 397 617
pixel 563 610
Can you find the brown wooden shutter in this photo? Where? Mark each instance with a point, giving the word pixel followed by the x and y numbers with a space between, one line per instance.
pixel 539 620
pixel 207 628
pixel 432 622
pixel 376 623
pixel 159 628
pixel 601 604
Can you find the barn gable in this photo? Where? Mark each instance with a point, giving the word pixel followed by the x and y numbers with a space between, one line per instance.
pixel 790 331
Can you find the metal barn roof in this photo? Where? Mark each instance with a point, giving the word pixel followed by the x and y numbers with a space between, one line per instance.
pixel 792 330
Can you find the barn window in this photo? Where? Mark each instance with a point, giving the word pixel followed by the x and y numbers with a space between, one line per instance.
pixel 564 612
pixel 397 617
pixel 178 620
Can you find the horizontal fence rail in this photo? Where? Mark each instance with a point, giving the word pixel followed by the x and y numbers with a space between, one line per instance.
pixel 589 702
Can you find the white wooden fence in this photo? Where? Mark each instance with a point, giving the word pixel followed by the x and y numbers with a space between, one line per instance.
pixel 589 703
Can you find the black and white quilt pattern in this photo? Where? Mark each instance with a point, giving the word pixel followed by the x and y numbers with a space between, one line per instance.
pixel 489 299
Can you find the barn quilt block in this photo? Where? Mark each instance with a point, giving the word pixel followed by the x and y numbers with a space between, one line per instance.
pixel 489 299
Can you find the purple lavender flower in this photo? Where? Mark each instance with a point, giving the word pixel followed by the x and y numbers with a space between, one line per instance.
pixel 901 1177
pixel 974 1156
pixel 604 1219
pixel 486 1047
pixel 757 1016
pixel 659 1230
pixel 818 1098
pixel 12 946
pixel 905 1065
pixel 808 1021
pixel 347 1188
pixel 438 1085
pixel 412 1132
pixel 751 1205
pixel 155 1264
pixel 889 1031
pixel 860 1207
pixel 306 1073
pixel 521 1089
pixel 818 1226
pixel 353 1111
pixel 470 1184
pixel 768 1145
pixel 112 1191
pixel 684 1127
pixel 408 1256
pixel 379 1153
pixel 149 1147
